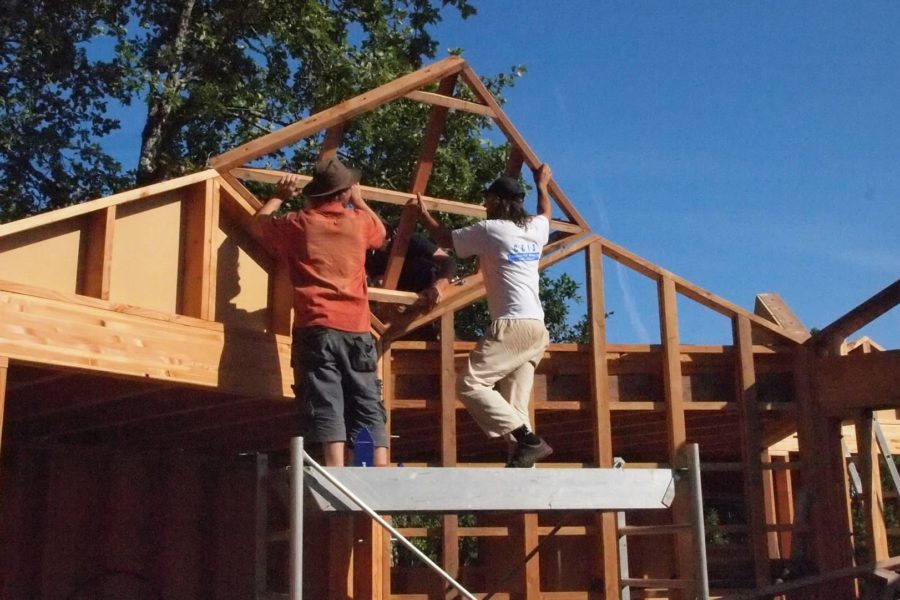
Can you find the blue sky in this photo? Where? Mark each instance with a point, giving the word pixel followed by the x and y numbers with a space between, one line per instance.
pixel 748 147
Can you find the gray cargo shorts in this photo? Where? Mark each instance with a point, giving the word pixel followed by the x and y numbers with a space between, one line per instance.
pixel 336 384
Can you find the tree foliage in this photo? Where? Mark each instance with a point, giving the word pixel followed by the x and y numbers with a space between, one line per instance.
pixel 214 74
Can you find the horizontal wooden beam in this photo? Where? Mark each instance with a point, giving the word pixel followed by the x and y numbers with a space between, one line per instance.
pixel 337 114
pixel 88 207
pixel 392 296
pixel 451 102
pixel 846 384
pixel 391 197
pixel 85 334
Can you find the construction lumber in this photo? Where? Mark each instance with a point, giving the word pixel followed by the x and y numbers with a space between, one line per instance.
pixel 84 208
pixel 331 143
pixel 473 287
pixel 858 317
pixel 694 292
pixel 603 454
pixel 751 449
pixel 531 159
pixel 392 296
pixel 200 217
pixel 393 197
pixel 774 308
pixel 872 494
pixel 422 173
pixel 676 431
pixel 414 489
pixel 4 372
pixel 814 581
pixel 97 264
pixel 75 332
pixel 337 114
pixel 847 384
pixel 450 102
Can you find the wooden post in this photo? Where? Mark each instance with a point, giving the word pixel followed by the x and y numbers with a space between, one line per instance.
pixel 751 449
pixel 387 394
pixel 822 504
pixel 677 430
pixel 200 217
pixel 784 502
pixel 4 370
pixel 532 570
pixel 873 498
pixel 97 258
pixel 608 565
pixel 449 523
pixel 771 514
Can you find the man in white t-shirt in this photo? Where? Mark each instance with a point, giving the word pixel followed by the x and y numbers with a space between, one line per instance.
pixel 509 245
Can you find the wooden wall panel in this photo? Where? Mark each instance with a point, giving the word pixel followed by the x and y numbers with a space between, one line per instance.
pixel 92 525
pixel 157 347
pixel 146 255
pixel 242 279
pixel 46 257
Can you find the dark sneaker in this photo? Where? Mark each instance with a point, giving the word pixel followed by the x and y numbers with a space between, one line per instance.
pixel 526 455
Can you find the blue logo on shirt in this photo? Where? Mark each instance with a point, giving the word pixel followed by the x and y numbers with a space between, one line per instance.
pixel 524 253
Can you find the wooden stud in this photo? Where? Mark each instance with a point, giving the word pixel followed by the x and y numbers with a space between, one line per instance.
pixel 751 449
pixel 4 372
pixel 331 143
pixel 532 570
pixel 773 549
pixel 402 234
pixel 385 369
pixel 404 230
pixel 448 392
pixel 97 263
pixel 784 502
pixel 603 454
pixel 675 422
pixel 200 217
pixel 337 114
pixel 450 102
pixel 506 126
pixel 873 497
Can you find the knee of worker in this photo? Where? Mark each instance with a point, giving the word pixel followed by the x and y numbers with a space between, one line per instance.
pixel 468 388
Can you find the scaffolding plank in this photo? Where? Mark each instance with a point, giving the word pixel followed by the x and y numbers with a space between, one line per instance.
pixel 463 489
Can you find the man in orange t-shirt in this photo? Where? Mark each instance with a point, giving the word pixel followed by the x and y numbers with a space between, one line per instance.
pixel 333 353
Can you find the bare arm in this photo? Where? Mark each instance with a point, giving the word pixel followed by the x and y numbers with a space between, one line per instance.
pixel 542 177
pixel 360 203
pixel 440 234
pixel 433 296
pixel 286 189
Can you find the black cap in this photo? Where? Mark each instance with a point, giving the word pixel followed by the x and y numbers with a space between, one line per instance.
pixel 506 187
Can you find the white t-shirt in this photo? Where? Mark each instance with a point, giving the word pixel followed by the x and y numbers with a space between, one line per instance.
pixel 509 257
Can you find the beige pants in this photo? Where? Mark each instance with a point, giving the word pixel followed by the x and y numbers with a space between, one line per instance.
pixel 507 358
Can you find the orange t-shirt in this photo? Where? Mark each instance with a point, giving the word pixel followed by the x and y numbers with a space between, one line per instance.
pixel 325 248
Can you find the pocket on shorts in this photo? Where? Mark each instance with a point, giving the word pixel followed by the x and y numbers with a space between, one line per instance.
pixel 363 357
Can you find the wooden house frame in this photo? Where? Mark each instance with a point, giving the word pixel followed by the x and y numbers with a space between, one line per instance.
pixel 152 324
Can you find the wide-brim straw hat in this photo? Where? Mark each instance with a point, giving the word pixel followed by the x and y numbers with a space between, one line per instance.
pixel 330 177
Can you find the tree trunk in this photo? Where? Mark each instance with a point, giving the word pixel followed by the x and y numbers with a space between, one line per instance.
pixel 161 103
